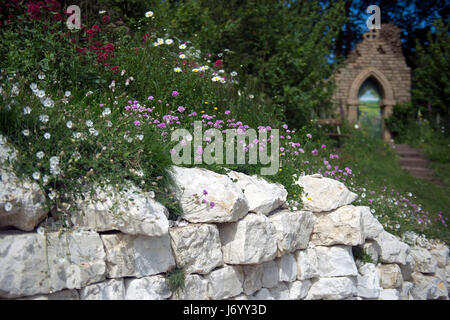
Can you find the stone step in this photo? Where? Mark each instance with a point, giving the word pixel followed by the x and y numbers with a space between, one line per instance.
pixel 414 162
pixel 418 172
pixel 411 154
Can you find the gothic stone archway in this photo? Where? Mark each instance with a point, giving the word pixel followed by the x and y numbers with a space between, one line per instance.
pixel 378 57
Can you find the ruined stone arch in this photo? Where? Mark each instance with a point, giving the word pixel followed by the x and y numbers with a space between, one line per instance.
pixel 378 55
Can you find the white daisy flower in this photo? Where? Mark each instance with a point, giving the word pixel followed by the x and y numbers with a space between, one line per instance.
pixel 44 118
pixel 41 76
pixel 33 87
pixel 40 154
pixel 47 135
pixel 169 41
pixel 177 69
pixel 52 195
pixel 215 79
pixel 106 112
pixel 69 124
pixel 89 123
pixel 36 175
pixel 195 70
pixel 93 131
pixel 155 44
pixel 182 46
pixel 40 93
pixel 26 132
pixel 222 80
pixel 233 73
pixel 67 93
pixel 149 14
pixel 160 41
pixel 182 56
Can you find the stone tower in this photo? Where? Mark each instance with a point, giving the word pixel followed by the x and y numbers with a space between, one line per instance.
pixel 379 57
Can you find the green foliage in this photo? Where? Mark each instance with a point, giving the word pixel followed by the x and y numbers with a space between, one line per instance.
pixel 430 83
pixel 360 254
pixel 176 279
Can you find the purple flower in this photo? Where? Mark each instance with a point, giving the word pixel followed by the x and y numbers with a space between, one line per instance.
pixel 323 146
pixel 174 93
pixel 137 123
pixel 315 152
pixel 205 192
pixel 227 112
pixel 150 98
pixel 181 109
pixel 285 126
pixel 309 136
pixel 162 125
pixel 211 204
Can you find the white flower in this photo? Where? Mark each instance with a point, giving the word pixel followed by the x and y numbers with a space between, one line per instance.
pixel 106 112
pixel 26 110
pixel 33 87
pixel 122 72
pixel 69 124
pixel 149 14
pixel 182 56
pixel 195 70
pixel 221 71
pixel 40 93
pixel 43 118
pixel 160 41
pixel 140 137
pixel 251 96
pixel 233 73
pixel 14 91
pixel 36 175
pixel 89 123
pixel 410 194
pixel 220 55
pixel 67 93
pixel 47 135
pixel 93 131
pixel 363 195
pixel 169 41
pixel 177 69
pixel 222 80
pixel 182 46
pixel 356 126
pixel 102 12
pixel 41 76
pixel 215 79
pixel 45 179
pixel 109 123
pixel 40 154
pixel 76 135
pixel 155 44
pixel 26 132
pixel 88 93
pixel 8 206
pixel 52 195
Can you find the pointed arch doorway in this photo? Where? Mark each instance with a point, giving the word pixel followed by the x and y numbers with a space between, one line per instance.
pixel 369 111
pixel 372 79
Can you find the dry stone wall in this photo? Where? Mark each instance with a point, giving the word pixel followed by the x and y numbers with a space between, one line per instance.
pixel 246 246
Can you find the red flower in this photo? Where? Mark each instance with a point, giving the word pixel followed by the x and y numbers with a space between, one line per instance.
pixel 105 19
pixel 115 69
pixel 218 63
